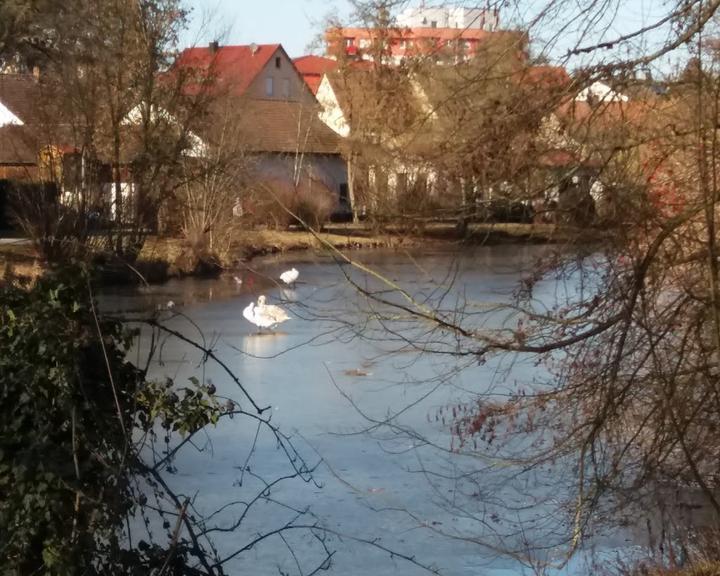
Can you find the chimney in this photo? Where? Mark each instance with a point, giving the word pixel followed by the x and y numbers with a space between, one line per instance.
pixel 253 48
pixel 214 45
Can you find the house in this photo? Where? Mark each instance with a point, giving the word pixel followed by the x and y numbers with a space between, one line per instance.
pixel 22 139
pixel 256 71
pixel 19 145
pixel 600 92
pixel 42 146
pixel 641 146
pixel 432 137
pixel 376 116
pixel 276 116
pixel 313 68
pixel 425 32
pixel 458 17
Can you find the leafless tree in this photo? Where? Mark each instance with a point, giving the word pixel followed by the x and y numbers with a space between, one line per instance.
pixel 624 403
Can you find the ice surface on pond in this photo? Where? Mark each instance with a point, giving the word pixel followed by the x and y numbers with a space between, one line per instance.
pixel 330 375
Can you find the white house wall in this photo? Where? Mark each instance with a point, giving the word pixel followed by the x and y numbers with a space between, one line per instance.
pixel 331 113
pixel 8 118
pixel 329 169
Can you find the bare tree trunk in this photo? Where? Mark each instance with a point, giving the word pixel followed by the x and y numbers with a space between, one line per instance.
pixel 351 189
pixel 118 192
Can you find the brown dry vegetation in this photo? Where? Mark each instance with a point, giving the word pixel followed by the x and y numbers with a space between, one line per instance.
pixel 22 260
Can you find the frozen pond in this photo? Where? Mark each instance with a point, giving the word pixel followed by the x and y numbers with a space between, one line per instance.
pixel 333 375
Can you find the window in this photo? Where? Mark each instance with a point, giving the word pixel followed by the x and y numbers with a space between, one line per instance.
pixel 344 195
pixel 268 86
pixel 433 24
pixel 403 44
pixel 401 183
pixel 349 41
pixel 286 88
pixel 278 62
pixel 364 43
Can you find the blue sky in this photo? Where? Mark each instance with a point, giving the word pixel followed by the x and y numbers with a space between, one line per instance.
pixel 297 23
pixel 293 23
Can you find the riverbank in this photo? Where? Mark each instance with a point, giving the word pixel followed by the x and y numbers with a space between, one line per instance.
pixel 164 258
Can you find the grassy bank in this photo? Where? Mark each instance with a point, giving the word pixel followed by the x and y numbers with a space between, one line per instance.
pixel 19 260
pixel 261 242
pixel 162 258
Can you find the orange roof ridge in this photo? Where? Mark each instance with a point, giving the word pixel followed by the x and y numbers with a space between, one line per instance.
pixel 234 65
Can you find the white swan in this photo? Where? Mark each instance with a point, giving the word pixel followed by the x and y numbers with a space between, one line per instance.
pixel 264 315
pixel 289 276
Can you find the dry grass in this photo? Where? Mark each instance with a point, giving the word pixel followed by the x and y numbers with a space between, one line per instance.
pixel 265 241
pixel 256 242
pixel 21 259
pixel 18 260
pixel 165 249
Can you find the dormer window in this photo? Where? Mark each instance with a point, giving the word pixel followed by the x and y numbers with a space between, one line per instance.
pixel 433 24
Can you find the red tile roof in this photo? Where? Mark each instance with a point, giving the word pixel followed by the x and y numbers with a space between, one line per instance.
pixel 314 64
pixel 545 76
pixel 313 68
pixel 232 67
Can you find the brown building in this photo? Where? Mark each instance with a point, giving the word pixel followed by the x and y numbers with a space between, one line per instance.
pixel 277 114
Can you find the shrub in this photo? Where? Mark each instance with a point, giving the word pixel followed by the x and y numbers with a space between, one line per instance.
pixel 70 408
pixel 268 204
pixel 314 204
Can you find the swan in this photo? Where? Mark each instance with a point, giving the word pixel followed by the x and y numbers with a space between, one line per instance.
pixel 264 315
pixel 289 276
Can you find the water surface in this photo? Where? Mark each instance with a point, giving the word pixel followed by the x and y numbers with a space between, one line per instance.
pixel 332 375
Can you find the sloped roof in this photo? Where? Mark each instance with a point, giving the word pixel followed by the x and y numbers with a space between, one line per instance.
pixel 312 64
pixel 232 67
pixel 17 146
pixel 285 127
pixel 545 77
pixel 20 94
pixel 30 102
pixel 312 69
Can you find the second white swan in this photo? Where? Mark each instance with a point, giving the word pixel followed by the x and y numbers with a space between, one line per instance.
pixel 265 315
